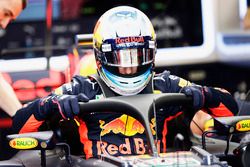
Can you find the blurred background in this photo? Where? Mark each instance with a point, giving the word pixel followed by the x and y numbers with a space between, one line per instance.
pixel 200 40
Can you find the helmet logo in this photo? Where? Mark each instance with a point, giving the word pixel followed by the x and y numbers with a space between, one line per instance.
pixel 106 48
pixel 129 40
pixel 126 42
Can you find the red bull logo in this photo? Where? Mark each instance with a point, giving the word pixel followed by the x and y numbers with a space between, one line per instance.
pixel 125 125
pixel 129 40
pixel 128 126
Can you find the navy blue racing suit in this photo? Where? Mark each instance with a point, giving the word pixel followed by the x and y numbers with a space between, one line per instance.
pixel 120 134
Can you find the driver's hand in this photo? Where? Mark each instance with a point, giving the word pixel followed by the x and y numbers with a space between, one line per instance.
pixel 66 105
pixel 198 95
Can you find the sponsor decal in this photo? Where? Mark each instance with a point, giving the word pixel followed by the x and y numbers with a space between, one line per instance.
pixel 106 48
pixel 126 148
pixel 23 143
pixel 129 40
pixel 97 97
pixel 157 92
pixel 183 82
pixel 125 125
pixel 243 125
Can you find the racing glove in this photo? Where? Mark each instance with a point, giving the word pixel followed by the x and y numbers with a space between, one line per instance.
pixel 66 105
pixel 200 95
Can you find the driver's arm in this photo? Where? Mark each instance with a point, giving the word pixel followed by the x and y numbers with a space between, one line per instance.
pixel 60 104
pixel 215 101
pixel 208 101
pixel 8 99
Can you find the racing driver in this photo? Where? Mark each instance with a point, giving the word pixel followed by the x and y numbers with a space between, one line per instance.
pixel 124 44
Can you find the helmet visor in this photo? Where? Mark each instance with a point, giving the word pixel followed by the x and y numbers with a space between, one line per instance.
pixel 129 57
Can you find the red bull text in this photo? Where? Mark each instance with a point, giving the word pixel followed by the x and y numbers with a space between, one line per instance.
pixel 124 148
pixel 129 40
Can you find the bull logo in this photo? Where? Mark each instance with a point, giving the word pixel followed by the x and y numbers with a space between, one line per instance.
pixel 125 125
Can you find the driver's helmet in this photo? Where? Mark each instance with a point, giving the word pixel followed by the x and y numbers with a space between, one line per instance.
pixel 124 37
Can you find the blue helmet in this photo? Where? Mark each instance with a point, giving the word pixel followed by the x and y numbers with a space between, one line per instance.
pixel 124 38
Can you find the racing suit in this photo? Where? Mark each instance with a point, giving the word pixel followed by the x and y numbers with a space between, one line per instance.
pixel 120 134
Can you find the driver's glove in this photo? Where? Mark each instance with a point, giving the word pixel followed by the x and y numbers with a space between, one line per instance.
pixel 66 105
pixel 199 94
